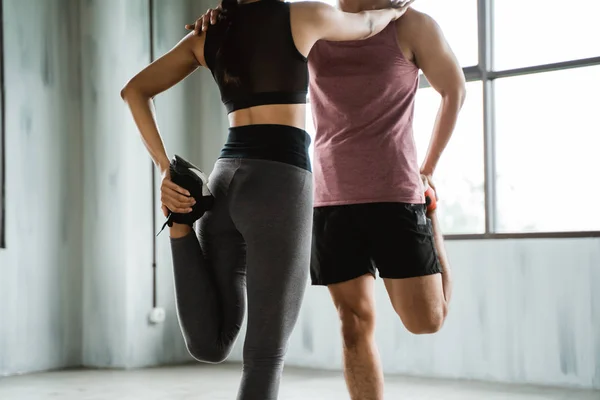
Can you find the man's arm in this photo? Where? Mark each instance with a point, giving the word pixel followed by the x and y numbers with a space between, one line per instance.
pixel 435 58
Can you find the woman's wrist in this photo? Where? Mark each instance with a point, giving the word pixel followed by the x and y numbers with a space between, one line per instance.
pixel 163 164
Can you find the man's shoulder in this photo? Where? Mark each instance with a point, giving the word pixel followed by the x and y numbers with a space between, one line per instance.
pixel 415 22
pixel 415 30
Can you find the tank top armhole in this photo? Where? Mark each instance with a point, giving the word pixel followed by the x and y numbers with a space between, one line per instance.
pixel 291 36
pixel 399 48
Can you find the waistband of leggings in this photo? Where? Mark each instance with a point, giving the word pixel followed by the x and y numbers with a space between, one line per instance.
pixel 281 143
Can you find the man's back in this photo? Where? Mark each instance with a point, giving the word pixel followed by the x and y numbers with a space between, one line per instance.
pixel 362 94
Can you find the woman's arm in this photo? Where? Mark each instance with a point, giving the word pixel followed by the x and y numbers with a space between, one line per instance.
pixel 159 76
pixel 313 21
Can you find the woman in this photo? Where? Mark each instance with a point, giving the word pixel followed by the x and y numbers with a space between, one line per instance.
pixel 256 237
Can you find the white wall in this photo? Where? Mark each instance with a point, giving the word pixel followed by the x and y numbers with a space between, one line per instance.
pixel 40 275
pixel 523 311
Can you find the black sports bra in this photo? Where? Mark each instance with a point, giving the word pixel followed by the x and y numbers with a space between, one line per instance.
pixel 253 58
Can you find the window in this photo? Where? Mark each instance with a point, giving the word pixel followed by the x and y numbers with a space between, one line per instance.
pixel 458 21
pixel 536 32
pixel 547 141
pixel 2 160
pixel 536 85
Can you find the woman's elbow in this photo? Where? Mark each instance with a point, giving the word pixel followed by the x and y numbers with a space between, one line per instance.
pixel 131 89
pixel 127 90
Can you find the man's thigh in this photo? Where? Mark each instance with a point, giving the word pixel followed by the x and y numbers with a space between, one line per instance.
pixel 354 301
pixel 340 250
pixel 419 302
pixel 356 294
pixel 404 251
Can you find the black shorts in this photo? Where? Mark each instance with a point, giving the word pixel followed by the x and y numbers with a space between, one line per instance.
pixel 352 240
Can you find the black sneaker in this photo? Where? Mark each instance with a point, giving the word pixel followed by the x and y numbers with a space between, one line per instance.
pixel 189 177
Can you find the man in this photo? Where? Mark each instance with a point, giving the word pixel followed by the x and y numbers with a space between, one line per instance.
pixel 369 212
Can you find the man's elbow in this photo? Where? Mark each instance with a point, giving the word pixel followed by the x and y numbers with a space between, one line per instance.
pixel 456 95
pixel 462 93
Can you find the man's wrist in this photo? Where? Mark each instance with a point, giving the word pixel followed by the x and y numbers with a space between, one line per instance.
pixel 427 170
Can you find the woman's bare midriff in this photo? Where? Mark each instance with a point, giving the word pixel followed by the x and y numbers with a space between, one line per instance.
pixel 276 114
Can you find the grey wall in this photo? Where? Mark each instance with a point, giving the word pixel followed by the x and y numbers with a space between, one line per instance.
pixel 114 47
pixel 40 274
pixel 525 311
pixel 117 215
pixel 75 280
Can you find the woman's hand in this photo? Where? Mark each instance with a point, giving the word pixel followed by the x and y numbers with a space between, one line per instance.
pixel 174 198
pixel 209 18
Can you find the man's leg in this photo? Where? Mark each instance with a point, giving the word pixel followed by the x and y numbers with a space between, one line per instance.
pixel 341 261
pixel 412 260
pixel 422 302
pixel 355 303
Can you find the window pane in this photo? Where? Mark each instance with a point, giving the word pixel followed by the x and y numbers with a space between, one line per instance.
pixel 458 20
pixel 534 32
pixel 459 175
pixel 547 141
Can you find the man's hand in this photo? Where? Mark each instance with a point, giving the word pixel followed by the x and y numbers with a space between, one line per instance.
pixel 428 183
pixel 210 17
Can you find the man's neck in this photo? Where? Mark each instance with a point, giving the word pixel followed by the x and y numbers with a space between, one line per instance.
pixel 355 6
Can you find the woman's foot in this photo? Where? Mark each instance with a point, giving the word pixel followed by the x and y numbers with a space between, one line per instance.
pixel 191 178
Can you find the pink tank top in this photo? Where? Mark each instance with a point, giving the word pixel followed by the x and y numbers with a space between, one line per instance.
pixel 362 96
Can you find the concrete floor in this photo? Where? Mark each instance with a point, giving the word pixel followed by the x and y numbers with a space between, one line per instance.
pixel 220 383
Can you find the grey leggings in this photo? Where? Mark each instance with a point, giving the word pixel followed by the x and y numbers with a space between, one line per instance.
pixel 254 241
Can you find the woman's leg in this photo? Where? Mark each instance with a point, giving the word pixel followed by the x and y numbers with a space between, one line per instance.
pixel 210 271
pixel 272 207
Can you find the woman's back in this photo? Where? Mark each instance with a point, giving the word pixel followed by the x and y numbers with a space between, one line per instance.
pixel 253 57
pixel 262 76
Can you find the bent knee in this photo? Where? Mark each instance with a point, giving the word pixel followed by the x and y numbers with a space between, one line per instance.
pixel 358 324
pixel 208 354
pixel 428 322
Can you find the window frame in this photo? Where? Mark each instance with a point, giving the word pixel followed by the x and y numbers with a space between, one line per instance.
pixel 485 73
